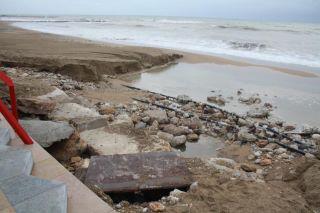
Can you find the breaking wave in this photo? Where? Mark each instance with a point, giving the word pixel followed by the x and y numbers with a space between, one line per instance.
pixel 246 45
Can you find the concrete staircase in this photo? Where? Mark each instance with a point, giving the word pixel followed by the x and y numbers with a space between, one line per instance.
pixel 24 192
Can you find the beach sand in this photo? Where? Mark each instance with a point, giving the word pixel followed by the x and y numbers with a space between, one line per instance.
pixel 87 60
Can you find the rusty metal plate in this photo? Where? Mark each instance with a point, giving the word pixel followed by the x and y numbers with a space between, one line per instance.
pixel 138 172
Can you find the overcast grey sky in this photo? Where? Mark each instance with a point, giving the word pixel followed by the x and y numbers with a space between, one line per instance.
pixel 270 10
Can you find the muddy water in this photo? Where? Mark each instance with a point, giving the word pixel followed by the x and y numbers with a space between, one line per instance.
pixel 206 147
pixel 296 99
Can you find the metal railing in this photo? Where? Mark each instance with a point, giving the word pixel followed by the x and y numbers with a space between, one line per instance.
pixel 12 117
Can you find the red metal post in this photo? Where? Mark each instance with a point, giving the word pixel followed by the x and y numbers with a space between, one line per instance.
pixel 12 118
pixel 15 124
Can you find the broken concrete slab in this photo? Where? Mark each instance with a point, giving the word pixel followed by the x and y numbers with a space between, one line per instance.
pixel 83 124
pixel 56 95
pixel 104 143
pixel 68 111
pixel 47 132
pixel 138 172
pixel 35 106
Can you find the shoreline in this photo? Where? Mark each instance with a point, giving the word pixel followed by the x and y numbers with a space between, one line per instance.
pixel 188 57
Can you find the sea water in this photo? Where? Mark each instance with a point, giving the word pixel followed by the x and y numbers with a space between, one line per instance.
pixel 289 43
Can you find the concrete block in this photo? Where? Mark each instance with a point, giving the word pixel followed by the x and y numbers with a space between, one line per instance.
pixel 14 161
pixel 83 124
pixel 31 194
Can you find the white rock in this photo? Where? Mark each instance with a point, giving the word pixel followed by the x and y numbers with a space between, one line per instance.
pixel 68 111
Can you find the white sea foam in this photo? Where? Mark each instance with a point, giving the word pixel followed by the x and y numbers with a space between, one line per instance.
pixel 277 42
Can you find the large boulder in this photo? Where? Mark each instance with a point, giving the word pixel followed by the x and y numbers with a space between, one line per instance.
pixel 47 132
pixel 35 106
pixel 158 115
pixel 56 95
pixel 68 111
pixel 175 130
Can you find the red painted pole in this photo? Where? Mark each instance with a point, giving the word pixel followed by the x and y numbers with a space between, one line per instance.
pixel 12 118
pixel 15 124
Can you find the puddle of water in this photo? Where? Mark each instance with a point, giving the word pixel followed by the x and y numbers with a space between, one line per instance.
pixel 206 147
pixel 297 98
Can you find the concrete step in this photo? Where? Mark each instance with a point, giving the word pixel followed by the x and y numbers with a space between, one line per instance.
pixel 30 194
pixel 4 136
pixel 14 161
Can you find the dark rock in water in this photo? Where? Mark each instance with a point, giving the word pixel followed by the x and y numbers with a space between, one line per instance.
pixel 138 172
pixel 216 100
pixel 183 99
pixel 258 113
pixel 246 45
pixel 178 140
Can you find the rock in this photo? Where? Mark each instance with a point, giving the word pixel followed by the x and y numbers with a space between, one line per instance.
pixel 183 99
pixel 289 127
pixel 248 167
pixel 135 118
pixel 316 138
pixel 242 122
pixel 280 151
pixel 250 100
pixel 146 119
pixel 75 159
pixel 171 114
pixel 172 200
pixel 122 121
pixel 217 100
pixel 85 163
pixel 177 192
pixel 192 137
pixel 251 157
pixel 140 125
pixel 56 95
pixel 229 163
pixel 243 135
pixel 265 162
pixel 158 115
pixel 271 146
pixel 174 120
pixel 258 113
pixel 165 136
pixel 82 124
pixel 101 142
pixel 35 106
pixel 47 132
pixel 68 111
pixel 174 130
pixel 178 140
pixel 107 110
pixel 194 186
pixel 157 207
pixel 308 155
pixel 262 143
